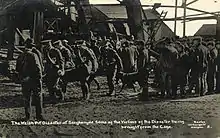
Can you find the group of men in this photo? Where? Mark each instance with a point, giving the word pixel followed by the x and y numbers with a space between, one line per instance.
pixel 182 63
pixel 188 63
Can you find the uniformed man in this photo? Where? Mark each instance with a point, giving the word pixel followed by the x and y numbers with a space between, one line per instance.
pixel 112 64
pixel 95 53
pixel 66 54
pixel 54 69
pixel 30 73
pixel 86 64
pixel 86 55
pixel 95 48
pixel 66 44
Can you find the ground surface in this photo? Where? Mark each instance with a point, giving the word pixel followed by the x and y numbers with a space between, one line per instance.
pixel 124 107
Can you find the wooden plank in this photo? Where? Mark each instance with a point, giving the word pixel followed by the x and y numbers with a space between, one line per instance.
pixel 20 34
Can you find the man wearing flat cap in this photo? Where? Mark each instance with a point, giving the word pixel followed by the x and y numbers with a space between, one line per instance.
pixel 200 68
pixel 211 65
pixel 30 73
pixel 29 43
pixel 112 64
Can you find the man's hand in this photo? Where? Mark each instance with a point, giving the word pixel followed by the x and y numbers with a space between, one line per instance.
pixel 25 79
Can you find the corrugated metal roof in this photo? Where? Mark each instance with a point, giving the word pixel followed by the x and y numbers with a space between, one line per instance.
pixel 151 14
pixel 8 5
pixel 118 12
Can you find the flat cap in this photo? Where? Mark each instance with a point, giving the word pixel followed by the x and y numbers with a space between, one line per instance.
pixel 57 42
pixel 197 38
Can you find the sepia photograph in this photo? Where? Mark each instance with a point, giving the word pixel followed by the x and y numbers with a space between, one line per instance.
pixel 110 68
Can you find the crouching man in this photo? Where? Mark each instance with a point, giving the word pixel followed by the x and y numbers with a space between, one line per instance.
pixel 30 74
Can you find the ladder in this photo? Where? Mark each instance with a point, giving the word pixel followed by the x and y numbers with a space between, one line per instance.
pixel 156 27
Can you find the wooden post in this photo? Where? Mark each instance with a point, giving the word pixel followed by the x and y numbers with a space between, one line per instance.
pixel 218 28
pixel 10 36
pixel 34 26
pixel 38 27
pixel 184 19
pixel 68 8
pixel 176 2
pixel 83 26
pixel 134 9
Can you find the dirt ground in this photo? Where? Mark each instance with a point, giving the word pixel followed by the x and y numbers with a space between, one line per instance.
pixel 120 116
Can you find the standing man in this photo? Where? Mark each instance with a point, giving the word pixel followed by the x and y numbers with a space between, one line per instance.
pixel 167 62
pixel 217 62
pixel 200 68
pixel 143 67
pixel 30 73
pixel 129 55
pixel 211 66
pixel 112 64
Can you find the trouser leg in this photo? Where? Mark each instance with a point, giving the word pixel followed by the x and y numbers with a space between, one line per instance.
pixel 26 91
pixel 203 83
pixel 168 85
pixel 37 95
pixel 163 83
pixel 143 82
pixel 85 89
pixel 110 79
pixel 210 81
pixel 174 86
pixel 198 84
pixel 218 81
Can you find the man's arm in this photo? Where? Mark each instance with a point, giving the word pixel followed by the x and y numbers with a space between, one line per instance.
pixel 19 62
pixel 60 60
pixel 92 58
pixel 38 68
pixel 119 61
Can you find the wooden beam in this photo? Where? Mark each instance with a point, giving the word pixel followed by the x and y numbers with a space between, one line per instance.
pixel 191 15
pixel 175 21
pixel 143 5
pixel 192 18
pixel 10 36
pixel 191 2
pixel 184 19
pixel 193 9
pixel 112 20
